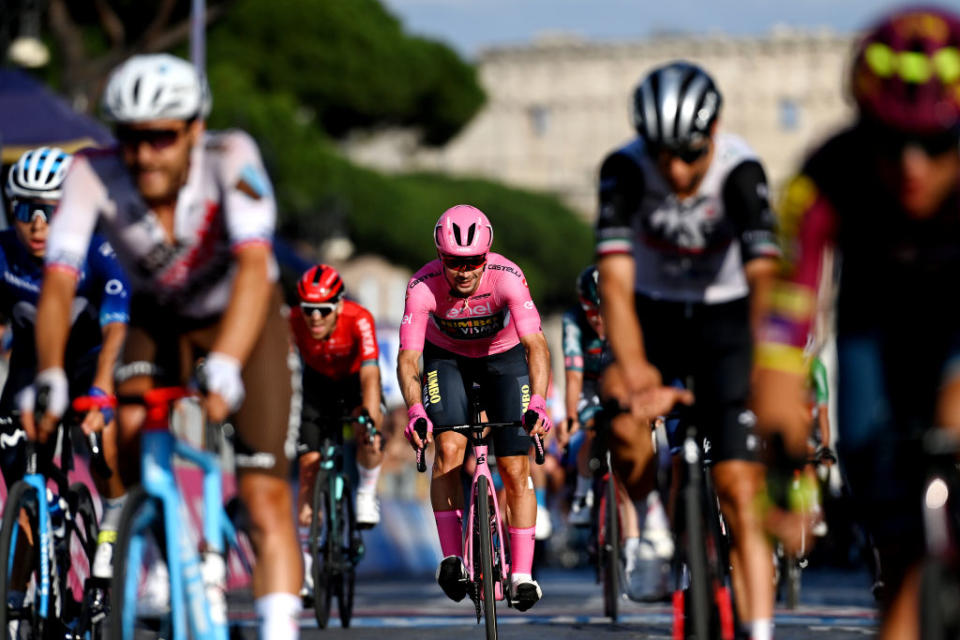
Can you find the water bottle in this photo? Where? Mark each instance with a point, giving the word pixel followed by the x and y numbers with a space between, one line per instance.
pixel 215 585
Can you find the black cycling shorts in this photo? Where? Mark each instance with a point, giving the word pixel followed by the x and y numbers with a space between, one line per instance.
pixel 504 382
pixel 325 403
pixel 711 345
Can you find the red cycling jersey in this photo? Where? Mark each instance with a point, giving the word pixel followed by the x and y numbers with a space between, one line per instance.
pixel 351 345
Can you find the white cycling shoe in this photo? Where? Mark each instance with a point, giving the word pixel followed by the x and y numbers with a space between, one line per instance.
pixel 368 509
pixel 581 510
pixel 544 527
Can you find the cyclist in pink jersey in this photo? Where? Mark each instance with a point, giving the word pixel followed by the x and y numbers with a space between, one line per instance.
pixel 469 314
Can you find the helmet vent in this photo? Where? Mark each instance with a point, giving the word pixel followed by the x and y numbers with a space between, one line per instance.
pixel 456 233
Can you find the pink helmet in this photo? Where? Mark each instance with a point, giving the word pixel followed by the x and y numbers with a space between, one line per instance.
pixel 906 74
pixel 463 230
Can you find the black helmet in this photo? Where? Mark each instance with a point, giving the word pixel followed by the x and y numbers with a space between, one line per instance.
pixel 587 286
pixel 675 105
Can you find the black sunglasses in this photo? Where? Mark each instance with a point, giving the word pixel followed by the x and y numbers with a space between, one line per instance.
pixel 687 155
pixel 156 138
pixel 892 144
pixel 324 308
pixel 463 263
pixel 25 211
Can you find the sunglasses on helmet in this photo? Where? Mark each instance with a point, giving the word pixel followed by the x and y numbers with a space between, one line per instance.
pixel 463 263
pixel 25 211
pixel 324 308
pixel 157 138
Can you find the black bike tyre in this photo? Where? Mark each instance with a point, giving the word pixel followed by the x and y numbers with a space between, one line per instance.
pixel 320 550
pixel 84 525
pixel 137 499
pixel 611 551
pixel 486 557
pixel 792 576
pixel 348 577
pixel 17 495
pixel 699 606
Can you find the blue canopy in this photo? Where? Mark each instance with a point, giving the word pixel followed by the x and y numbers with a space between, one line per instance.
pixel 31 115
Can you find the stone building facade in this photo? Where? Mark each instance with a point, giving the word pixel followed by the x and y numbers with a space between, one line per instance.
pixel 557 106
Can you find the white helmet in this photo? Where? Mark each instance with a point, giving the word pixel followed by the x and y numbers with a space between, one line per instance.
pixel 153 87
pixel 39 173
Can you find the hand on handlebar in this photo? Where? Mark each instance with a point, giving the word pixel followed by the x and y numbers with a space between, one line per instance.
pixel 414 413
pixel 647 397
pixel 539 406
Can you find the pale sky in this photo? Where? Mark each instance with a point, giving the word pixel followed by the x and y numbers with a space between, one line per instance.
pixel 471 25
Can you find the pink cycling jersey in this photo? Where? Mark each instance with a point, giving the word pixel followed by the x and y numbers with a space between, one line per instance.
pixel 489 321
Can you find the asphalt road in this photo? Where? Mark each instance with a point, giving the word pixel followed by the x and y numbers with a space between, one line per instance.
pixel 833 605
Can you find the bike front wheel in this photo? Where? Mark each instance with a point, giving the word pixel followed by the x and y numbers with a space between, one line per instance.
pixel 349 538
pixel 20 583
pixel 140 589
pixel 610 550
pixel 320 550
pixel 483 523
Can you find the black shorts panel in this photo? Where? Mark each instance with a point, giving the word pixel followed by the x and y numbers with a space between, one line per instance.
pixel 504 381
pixel 325 402
pixel 710 345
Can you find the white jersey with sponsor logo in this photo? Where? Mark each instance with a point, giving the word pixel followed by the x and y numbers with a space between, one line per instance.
pixel 226 202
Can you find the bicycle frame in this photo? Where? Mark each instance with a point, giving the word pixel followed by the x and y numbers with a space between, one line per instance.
pixel 188 601
pixel 482 469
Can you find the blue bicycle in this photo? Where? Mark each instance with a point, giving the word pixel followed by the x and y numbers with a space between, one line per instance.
pixel 167 578
pixel 47 542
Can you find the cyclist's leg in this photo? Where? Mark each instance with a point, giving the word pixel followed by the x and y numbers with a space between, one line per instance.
pixel 112 490
pixel 263 455
pixel 369 454
pixel 722 382
pixel 318 396
pixel 630 445
pixel 884 473
pixel 505 385
pixel 445 400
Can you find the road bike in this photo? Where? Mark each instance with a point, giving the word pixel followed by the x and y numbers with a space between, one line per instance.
pixel 167 577
pixel 336 545
pixel 486 550
pixel 47 543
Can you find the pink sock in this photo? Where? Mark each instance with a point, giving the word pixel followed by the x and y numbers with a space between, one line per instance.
pixel 522 542
pixel 450 530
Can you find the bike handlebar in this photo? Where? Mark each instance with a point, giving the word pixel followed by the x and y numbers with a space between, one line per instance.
pixel 528 422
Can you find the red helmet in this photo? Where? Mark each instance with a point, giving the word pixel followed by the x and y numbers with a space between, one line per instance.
pixel 906 74
pixel 320 283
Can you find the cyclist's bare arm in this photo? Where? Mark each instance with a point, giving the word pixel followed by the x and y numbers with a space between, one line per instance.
pixel 52 332
pixel 623 326
pixel 761 274
pixel 574 386
pixel 370 391
pixel 114 334
pixel 408 376
pixel 245 314
pixel 538 363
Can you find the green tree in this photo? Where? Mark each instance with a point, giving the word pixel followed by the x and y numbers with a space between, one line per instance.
pixel 350 63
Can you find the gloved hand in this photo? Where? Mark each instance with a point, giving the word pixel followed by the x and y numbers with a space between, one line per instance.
pixel 415 413
pixel 222 376
pixel 107 412
pixel 52 389
pixel 539 406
